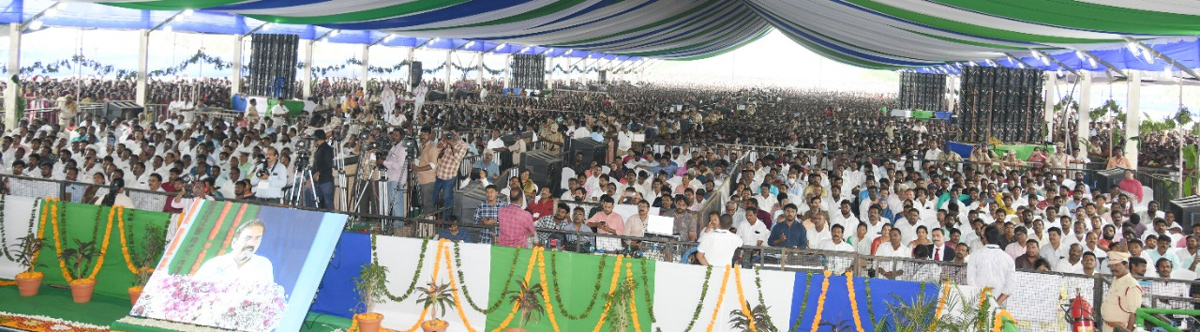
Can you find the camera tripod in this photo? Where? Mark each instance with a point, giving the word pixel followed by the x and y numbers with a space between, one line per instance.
pixel 299 179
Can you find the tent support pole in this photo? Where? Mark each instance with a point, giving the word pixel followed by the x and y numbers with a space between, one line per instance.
pixel 235 78
pixel 366 68
pixel 1082 118
pixel 507 71
pixel 449 68
pixel 14 70
pixel 1109 66
pixel 143 62
pixel 308 67
pixel 1133 117
pixel 479 68
pixel 1048 90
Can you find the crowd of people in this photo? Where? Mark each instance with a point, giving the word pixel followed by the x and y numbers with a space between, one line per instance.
pixel 803 169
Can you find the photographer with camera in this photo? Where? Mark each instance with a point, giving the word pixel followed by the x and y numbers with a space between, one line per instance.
pixel 322 170
pixel 397 172
pixel 269 178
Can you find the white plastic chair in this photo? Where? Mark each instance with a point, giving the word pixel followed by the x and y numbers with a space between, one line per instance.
pixel 567 175
pixel 1147 196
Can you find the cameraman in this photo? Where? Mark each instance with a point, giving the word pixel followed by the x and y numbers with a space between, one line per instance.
pixel 322 170
pixel 269 178
pixel 397 173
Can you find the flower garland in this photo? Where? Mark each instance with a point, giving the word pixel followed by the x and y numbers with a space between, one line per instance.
pixel 720 297
pixel 612 287
pixel 125 247
pixel 758 284
pixel 941 304
pixel 562 308
pixel 858 326
pixel 528 274
pixel 467 293
pixel 870 305
pixel 998 325
pixel 737 274
pixel 41 228
pixel 3 236
pixel 454 290
pixel 821 301
pixel 804 303
pixel 57 245
pixel 700 304
pixel 541 259
pixel 646 291
pixel 103 247
pixel 412 285
pixel 637 325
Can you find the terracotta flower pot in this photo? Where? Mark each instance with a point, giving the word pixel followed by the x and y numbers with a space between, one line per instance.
pixel 29 283
pixel 369 322
pixel 81 290
pixel 435 325
pixel 134 294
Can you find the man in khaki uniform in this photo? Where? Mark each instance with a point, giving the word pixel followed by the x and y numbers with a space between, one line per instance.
pixel 1124 296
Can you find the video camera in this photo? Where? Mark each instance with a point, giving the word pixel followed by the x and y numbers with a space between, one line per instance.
pixel 304 148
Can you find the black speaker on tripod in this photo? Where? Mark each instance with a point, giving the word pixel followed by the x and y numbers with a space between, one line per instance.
pixel 414 73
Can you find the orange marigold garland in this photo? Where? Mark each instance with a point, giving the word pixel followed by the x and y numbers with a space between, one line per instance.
pixel 125 247
pixel 941 304
pixel 720 297
pixel 853 303
pixel 821 301
pixel 454 289
pixel 637 325
pixel 528 274
pixel 104 247
pixel 737 274
pixel 541 258
pixel 611 288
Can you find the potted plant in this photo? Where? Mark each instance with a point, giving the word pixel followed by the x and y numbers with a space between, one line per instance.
pixel 371 286
pixel 30 281
pixel 739 321
pixel 145 260
pixel 529 304
pixel 435 296
pixel 77 259
pixel 619 317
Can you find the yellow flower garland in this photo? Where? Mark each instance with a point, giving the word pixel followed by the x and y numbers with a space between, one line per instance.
pixel 941 304
pixel 720 296
pixel 58 244
pixel 528 274
pixel 998 325
pixel 853 303
pixel 454 289
pixel 541 258
pixel 637 325
pixel 124 246
pixel 821 301
pixel 104 247
pixel 42 227
pixel 737 274
pixel 611 288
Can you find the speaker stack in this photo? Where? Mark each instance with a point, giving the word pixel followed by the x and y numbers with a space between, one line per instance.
pixel 545 167
pixel 528 71
pixel 591 150
pixel 273 65
pixel 467 200
pixel 603 76
pixel 1187 211
pixel 1005 103
pixel 414 73
pixel 923 91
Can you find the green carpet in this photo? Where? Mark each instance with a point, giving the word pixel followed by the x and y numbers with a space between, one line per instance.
pixel 57 303
pixel 324 323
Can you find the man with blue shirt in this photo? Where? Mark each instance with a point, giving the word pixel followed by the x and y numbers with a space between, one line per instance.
pixel 788 232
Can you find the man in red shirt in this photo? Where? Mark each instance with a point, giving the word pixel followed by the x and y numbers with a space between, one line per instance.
pixel 516 224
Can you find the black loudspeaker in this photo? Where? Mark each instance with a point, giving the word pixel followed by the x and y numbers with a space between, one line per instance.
pixel 592 150
pixel 273 65
pixel 603 76
pixel 414 73
pixel 467 200
pixel 923 91
pixel 120 110
pixel 528 71
pixel 1187 211
pixel 434 95
pixel 545 168
pixel 1107 179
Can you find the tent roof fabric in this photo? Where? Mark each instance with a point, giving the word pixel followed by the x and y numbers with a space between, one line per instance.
pixel 884 34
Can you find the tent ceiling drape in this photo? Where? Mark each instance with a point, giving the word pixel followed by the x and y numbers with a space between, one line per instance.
pixel 886 34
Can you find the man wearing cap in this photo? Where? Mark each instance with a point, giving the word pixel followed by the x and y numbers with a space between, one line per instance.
pixel 322 170
pixel 1124 296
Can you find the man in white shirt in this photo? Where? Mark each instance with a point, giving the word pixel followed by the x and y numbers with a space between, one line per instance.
pixel 624 141
pixel 893 248
pixel 717 247
pixel 836 242
pixel 1074 261
pixel 991 267
pixel 843 216
pixel 753 231
pixel 1055 250
pixel 240 264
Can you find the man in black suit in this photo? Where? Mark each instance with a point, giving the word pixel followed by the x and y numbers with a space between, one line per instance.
pixel 939 250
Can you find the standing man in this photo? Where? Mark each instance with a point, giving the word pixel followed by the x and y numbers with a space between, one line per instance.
pixel 280 111
pixel 717 247
pixel 488 214
pixel 449 159
pixel 991 267
pixel 268 182
pixel 397 172
pixel 1124 296
pixel 323 170
pixel 516 224
pixel 426 171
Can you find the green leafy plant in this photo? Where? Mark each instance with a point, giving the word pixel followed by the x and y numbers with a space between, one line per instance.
pixel 762 323
pixel 147 256
pixel 919 315
pixel 528 299
pixel 619 317
pixel 27 247
pixel 79 257
pixel 436 296
pixel 839 326
pixel 371 286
